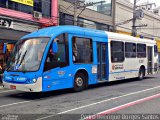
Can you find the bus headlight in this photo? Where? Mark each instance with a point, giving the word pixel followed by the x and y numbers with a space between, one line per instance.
pixel 34 80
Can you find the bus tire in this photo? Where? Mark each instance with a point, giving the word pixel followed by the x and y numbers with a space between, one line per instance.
pixel 79 82
pixel 141 74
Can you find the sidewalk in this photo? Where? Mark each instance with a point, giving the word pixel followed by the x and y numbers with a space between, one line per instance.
pixel 1 74
pixel 1 85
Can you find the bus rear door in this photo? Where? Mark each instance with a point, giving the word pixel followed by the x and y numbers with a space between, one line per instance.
pixel 102 61
pixel 149 59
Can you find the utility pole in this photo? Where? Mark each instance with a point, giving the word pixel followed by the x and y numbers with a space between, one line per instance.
pixel 134 31
pixel 113 15
pixel 138 14
pixel 75 13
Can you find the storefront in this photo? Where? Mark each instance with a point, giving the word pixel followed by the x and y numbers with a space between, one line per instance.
pixel 12 29
pixel 20 17
pixel 9 34
pixel 5 50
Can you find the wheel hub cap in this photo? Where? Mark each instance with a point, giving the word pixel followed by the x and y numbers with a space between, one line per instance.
pixel 79 81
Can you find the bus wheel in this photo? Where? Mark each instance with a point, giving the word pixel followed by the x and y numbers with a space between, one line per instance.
pixel 141 73
pixel 79 82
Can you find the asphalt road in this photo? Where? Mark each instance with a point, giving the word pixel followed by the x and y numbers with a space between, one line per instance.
pixel 122 97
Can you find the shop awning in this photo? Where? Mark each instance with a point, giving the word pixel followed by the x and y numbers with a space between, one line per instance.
pixel 9 34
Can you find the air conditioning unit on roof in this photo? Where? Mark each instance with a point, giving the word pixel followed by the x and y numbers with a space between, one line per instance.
pixel 37 14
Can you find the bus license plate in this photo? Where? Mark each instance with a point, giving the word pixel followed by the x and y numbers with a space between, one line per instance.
pixel 13 87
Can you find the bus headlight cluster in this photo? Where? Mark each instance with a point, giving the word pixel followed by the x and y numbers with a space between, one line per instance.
pixel 34 80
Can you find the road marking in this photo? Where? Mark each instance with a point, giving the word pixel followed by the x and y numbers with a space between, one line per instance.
pixel 8 91
pixel 115 109
pixel 13 104
pixel 99 102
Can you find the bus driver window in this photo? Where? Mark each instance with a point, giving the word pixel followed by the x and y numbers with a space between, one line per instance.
pixel 51 55
pixel 60 58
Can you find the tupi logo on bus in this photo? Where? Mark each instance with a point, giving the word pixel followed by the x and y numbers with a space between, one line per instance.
pixel 117 67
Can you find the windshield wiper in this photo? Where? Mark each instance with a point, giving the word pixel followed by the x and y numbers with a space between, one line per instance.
pixel 23 58
pixel 18 58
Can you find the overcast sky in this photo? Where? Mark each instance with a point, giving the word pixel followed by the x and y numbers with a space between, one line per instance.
pixel 151 1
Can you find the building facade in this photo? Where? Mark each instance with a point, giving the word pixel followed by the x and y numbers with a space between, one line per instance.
pixel 124 14
pixel 110 15
pixel 96 14
pixel 18 18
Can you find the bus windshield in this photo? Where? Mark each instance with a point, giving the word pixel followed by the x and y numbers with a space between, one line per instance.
pixel 27 55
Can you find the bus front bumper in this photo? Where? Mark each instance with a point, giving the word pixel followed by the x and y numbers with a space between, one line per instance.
pixel 35 87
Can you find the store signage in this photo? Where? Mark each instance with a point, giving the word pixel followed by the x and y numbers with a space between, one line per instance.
pixel 25 2
pixel 5 22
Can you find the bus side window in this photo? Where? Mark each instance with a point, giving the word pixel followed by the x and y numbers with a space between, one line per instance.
pixel 155 50
pixel 59 59
pixel 82 50
pixel 141 50
pixel 117 51
pixel 130 50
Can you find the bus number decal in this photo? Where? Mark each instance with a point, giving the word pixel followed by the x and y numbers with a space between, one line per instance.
pixel 61 72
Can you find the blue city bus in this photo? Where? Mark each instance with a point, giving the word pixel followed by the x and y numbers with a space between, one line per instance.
pixel 62 57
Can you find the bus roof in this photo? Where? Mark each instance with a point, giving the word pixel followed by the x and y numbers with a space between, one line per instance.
pixel 56 30
pixel 127 38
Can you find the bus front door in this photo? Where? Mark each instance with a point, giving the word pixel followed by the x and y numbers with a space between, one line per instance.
pixel 149 64
pixel 102 50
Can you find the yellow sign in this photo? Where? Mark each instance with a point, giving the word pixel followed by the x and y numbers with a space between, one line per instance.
pixel 25 2
pixel 158 45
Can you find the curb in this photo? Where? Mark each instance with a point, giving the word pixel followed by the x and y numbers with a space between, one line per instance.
pixel 1 87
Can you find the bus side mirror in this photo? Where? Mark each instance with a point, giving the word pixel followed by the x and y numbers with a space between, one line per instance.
pixel 55 47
